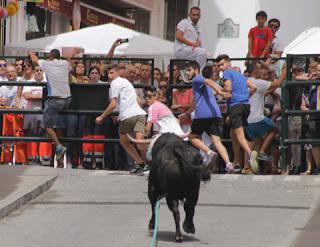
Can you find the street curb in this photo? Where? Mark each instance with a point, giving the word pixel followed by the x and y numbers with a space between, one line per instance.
pixel 293 237
pixel 25 197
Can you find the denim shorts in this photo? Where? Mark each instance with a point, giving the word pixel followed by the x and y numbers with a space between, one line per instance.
pixel 259 129
pixel 52 108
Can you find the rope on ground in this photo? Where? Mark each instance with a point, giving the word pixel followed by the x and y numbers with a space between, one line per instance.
pixel 155 230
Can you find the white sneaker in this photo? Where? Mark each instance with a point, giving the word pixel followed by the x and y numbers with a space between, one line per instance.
pixel 254 162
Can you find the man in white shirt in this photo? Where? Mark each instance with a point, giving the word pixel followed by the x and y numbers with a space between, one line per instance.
pixel 260 127
pixel 188 39
pixel 131 116
pixel 277 46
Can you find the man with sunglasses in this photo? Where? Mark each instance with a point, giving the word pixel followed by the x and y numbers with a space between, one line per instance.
pixel 3 67
pixel 277 46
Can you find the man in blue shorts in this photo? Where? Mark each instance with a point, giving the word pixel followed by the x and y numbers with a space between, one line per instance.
pixel 238 109
pixel 261 129
pixel 207 116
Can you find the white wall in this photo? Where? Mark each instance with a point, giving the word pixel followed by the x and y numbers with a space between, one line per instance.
pixel 295 17
pixel 157 19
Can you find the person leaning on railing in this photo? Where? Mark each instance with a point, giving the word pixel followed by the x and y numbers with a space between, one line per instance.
pixel 59 95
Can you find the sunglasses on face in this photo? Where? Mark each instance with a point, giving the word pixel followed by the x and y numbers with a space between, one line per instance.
pixel 162 86
pixel 3 65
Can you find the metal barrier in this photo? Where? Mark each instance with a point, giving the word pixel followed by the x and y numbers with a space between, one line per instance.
pixel 286 111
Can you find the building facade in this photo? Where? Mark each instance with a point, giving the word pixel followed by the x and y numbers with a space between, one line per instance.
pixel 225 23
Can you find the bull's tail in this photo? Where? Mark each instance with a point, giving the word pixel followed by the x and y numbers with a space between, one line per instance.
pixel 189 170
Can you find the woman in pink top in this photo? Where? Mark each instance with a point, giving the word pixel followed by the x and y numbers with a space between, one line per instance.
pixel 160 114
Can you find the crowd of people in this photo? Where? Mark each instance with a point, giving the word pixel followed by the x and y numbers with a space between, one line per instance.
pixel 221 102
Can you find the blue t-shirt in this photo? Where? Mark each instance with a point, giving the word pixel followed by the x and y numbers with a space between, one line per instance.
pixel 240 90
pixel 206 104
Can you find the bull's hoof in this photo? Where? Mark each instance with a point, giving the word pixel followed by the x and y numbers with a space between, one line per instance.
pixel 151 226
pixel 188 227
pixel 179 238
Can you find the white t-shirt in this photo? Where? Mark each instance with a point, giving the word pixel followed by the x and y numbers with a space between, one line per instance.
pixel 256 101
pixel 191 32
pixel 160 114
pixel 277 44
pixel 126 96
pixel 32 104
pixel 9 93
pixel 57 72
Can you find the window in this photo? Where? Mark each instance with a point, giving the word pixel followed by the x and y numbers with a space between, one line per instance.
pixel 175 11
pixel 38 22
pixel 142 21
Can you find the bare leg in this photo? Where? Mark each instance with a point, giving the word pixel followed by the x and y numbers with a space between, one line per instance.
pixel 124 141
pixel 53 136
pixel 198 143
pixel 237 159
pixel 220 148
pixel 267 140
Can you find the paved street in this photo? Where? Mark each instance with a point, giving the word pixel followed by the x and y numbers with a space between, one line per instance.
pixel 94 208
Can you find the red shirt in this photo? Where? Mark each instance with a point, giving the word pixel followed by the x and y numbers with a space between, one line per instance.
pixel 183 98
pixel 260 38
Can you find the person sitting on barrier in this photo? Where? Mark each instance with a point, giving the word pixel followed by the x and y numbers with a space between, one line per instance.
pixel 277 45
pixel 188 43
pixel 131 116
pixel 261 130
pixel 238 109
pixel 37 152
pixel 59 95
pixel 12 123
pixel 260 37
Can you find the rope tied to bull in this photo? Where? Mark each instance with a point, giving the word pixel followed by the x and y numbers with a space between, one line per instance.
pixel 155 230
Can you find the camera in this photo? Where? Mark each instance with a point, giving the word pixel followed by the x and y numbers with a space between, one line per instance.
pixel 121 41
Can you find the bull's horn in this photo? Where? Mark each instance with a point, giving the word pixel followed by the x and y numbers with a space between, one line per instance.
pixel 184 135
pixel 136 141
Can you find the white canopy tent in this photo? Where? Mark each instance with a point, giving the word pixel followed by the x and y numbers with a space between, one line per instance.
pixel 306 43
pixel 97 40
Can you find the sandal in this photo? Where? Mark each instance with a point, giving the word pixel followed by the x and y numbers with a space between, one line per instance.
pixel 307 172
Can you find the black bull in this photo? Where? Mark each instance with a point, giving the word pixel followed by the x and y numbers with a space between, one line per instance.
pixel 175 173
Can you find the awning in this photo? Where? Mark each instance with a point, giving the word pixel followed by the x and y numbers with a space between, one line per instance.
pixel 89 14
